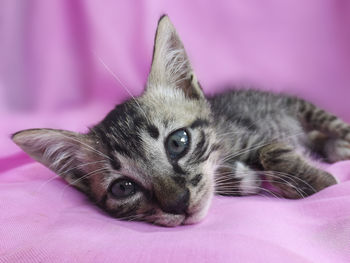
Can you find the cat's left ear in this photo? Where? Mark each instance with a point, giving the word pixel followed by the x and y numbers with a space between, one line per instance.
pixel 170 64
pixel 64 152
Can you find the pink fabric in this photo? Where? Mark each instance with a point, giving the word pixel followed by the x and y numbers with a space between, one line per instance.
pixel 50 76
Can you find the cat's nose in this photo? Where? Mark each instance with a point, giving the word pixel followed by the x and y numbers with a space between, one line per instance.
pixel 178 204
pixel 171 197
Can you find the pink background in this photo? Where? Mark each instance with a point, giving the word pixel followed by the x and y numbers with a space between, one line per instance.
pixel 51 76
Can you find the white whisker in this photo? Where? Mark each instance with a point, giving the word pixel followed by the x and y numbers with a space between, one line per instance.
pixel 254 147
pixel 120 82
pixel 81 178
pixel 60 174
pixel 86 145
pixel 224 182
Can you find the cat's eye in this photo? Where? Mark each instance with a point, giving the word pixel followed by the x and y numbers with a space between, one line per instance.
pixel 177 143
pixel 123 188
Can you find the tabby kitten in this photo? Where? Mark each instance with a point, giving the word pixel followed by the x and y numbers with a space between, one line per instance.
pixel 160 157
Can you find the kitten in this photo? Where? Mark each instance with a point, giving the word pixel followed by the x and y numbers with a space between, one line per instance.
pixel 160 157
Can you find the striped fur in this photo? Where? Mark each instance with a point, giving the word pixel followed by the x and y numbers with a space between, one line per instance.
pixel 233 139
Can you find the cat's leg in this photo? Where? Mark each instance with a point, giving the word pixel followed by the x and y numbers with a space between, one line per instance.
pixel 291 172
pixel 237 179
pixel 332 149
pixel 314 118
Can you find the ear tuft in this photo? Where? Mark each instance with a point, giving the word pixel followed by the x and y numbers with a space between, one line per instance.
pixel 170 65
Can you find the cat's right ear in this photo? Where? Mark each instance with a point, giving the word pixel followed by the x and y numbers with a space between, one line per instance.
pixel 170 65
pixel 61 151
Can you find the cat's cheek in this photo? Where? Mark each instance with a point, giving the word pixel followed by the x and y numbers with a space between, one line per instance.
pixel 201 203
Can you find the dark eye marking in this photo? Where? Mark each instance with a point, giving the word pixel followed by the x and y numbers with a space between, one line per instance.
pixel 153 131
pixel 177 169
pixel 201 147
pixel 194 181
pixel 199 123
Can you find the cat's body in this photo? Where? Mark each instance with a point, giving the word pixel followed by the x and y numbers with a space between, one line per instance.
pixel 250 118
pixel 253 125
pixel 161 157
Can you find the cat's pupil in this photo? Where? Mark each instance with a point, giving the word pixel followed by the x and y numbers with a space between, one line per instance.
pixel 177 143
pixel 123 188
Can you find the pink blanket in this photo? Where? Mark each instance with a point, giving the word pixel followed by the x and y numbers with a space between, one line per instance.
pixel 51 75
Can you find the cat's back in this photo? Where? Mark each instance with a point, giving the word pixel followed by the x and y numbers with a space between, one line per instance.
pixel 259 104
pixel 246 118
pixel 251 105
pixel 255 114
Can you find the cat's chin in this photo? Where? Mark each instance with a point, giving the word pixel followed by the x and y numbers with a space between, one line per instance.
pixel 172 220
pixel 169 220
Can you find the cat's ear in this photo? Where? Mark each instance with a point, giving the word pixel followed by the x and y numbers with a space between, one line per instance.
pixel 170 64
pixel 59 150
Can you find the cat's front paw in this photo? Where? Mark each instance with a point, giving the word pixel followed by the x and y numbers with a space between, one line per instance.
pixel 238 180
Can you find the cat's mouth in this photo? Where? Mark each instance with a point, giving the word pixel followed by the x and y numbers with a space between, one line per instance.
pixel 171 220
pixel 193 216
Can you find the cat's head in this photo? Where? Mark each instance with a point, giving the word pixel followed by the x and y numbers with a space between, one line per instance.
pixel 153 157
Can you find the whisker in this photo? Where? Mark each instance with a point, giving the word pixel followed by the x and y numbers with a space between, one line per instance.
pixel 131 217
pixel 60 174
pixel 121 83
pixel 238 188
pixel 254 147
pixel 81 178
pixel 254 187
pixel 225 182
pixel 272 173
pixel 222 135
pixel 285 182
pixel 88 146
pixel 292 177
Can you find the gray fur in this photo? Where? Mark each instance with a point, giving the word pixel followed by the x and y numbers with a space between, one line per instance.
pixel 233 138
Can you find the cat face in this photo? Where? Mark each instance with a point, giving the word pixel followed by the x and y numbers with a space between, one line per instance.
pixel 161 159
pixel 153 157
